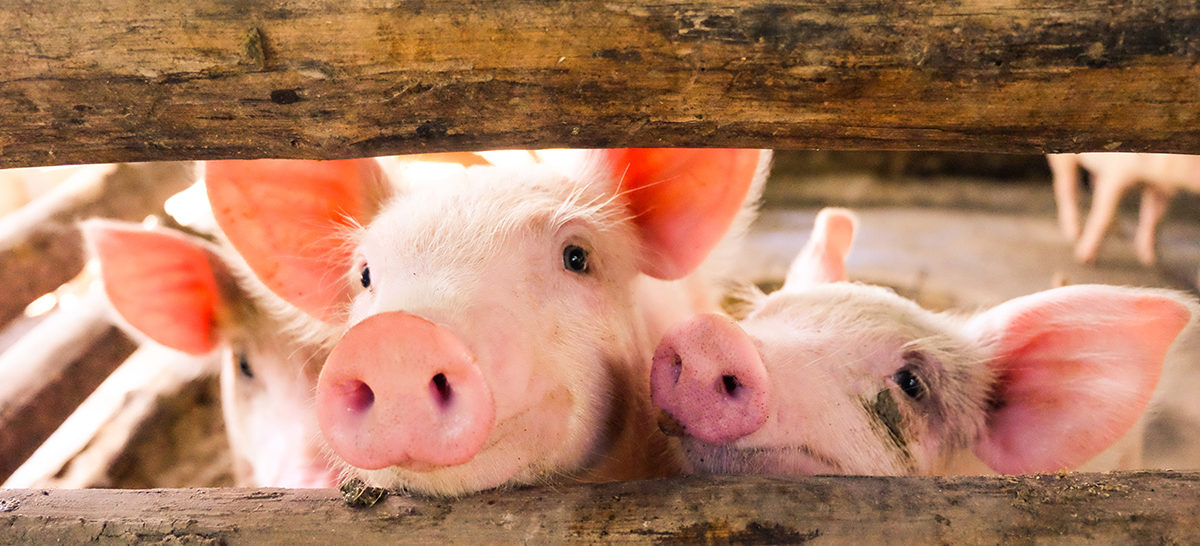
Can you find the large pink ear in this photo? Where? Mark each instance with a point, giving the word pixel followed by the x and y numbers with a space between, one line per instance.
pixel 684 200
pixel 288 219
pixel 823 258
pixel 162 284
pixel 1075 368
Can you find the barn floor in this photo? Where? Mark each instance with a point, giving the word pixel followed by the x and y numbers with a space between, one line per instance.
pixel 962 242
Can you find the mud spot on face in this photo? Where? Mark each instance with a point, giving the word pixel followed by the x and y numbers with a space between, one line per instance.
pixel 885 416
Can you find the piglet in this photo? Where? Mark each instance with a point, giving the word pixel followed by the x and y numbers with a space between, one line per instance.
pixel 493 324
pixel 831 377
pixel 183 292
pixel 1112 175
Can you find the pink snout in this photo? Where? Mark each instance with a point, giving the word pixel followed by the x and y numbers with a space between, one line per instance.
pixel 399 390
pixel 709 377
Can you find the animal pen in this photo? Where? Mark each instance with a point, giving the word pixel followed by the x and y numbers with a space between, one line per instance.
pixel 117 81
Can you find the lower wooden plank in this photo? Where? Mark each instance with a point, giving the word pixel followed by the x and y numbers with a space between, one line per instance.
pixel 1138 507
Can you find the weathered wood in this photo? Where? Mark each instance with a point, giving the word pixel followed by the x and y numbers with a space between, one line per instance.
pixel 40 247
pixel 1124 508
pixel 111 81
pixel 50 371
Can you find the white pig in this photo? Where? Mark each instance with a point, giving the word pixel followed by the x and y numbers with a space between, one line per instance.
pixel 493 324
pixel 832 377
pixel 1112 175
pixel 181 292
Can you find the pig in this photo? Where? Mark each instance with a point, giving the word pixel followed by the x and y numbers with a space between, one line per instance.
pixel 492 325
pixel 826 376
pixel 187 294
pixel 1112 175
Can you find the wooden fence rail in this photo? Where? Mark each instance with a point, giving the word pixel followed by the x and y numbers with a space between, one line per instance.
pixel 111 80
pixel 1120 508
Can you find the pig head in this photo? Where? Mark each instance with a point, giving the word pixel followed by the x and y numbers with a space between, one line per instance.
pixel 826 376
pixel 181 292
pixel 492 324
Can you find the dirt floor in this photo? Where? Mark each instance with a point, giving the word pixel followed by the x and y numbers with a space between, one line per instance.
pixel 962 242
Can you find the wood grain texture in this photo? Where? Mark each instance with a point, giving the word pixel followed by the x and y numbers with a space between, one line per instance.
pixel 1111 508
pixel 111 80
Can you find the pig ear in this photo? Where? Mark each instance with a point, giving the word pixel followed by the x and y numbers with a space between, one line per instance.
pixel 684 201
pixel 1075 369
pixel 163 285
pixel 288 219
pixel 823 258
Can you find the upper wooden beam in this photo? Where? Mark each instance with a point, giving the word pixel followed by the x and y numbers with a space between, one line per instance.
pixel 114 80
pixel 1118 508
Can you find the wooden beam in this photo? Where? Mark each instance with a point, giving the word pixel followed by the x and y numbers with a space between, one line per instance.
pixel 50 371
pixel 110 80
pixel 40 247
pixel 1102 508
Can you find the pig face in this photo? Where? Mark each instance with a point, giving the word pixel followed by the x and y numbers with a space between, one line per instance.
pixel 180 292
pixel 830 377
pixel 488 323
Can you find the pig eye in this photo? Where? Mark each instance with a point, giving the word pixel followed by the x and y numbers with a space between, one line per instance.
pixel 366 277
pixel 911 384
pixel 575 258
pixel 244 365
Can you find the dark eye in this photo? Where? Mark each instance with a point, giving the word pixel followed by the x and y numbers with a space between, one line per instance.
pixel 911 384
pixel 366 277
pixel 575 259
pixel 244 365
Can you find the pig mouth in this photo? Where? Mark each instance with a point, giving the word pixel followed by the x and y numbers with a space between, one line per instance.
pixel 785 461
pixel 669 425
pixel 508 454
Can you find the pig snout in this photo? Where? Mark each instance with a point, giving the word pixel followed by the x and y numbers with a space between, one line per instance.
pixel 708 376
pixel 399 390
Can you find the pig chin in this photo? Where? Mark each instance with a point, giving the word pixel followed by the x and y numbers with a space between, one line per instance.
pixel 523 448
pixel 785 461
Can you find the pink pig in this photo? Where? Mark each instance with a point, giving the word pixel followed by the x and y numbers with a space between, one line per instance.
pixel 493 324
pixel 1112 175
pixel 180 291
pixel 831 377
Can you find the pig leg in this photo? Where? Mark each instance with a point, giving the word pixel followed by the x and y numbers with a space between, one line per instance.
pixel 1065 170
pixel 1104 206
pixel 1154 205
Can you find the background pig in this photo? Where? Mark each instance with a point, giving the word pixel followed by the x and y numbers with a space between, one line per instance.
pixel 825 376
pixel 1112 175
pixel 179 291
pixel 493 323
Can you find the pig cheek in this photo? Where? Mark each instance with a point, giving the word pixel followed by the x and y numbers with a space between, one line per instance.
pixel 233 408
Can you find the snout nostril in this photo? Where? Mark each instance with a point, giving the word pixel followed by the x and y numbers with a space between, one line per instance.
pixel 676 368
pixel 730 384
pixel 358 396
pixel 441 388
